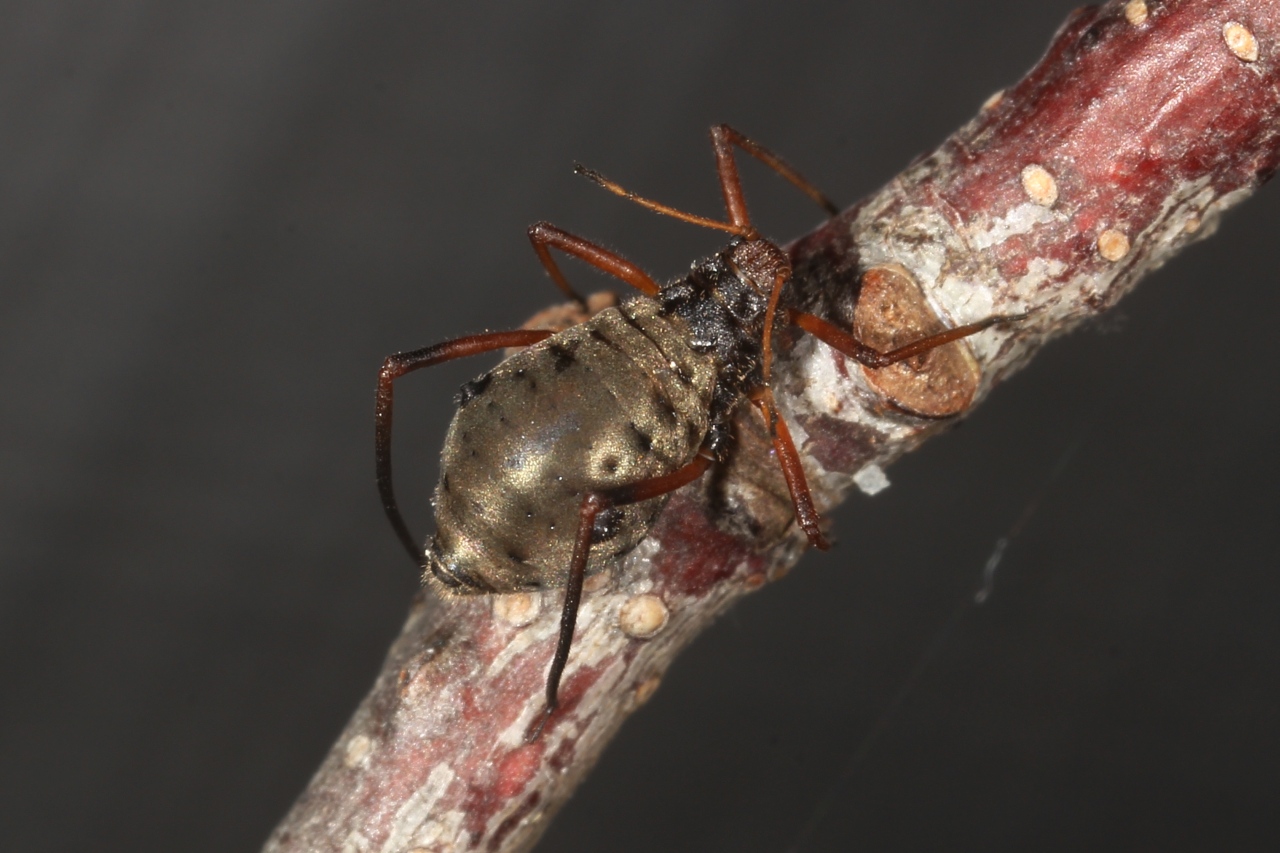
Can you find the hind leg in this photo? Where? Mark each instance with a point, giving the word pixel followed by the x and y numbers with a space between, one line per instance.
pixel 593 504
pixel 398 365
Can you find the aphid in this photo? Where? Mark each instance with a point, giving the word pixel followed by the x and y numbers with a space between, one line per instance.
pixel 561 457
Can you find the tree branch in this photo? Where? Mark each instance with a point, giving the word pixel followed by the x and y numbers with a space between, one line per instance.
pixel 1141 125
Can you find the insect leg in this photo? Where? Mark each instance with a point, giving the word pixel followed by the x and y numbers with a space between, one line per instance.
pixel 835 337
pixel 792 471
pixel 592 505
pixel 665 210
pixel 770 316
pixel 398 365
pixel 544 236
pixel 723 138
pixel 788 459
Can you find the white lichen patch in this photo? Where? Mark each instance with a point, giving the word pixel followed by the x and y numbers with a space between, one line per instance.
pixel 441 831
pixel 1039 185
pixel 851 385
pixel 643 616
pixel 1213 211
pixel 638 565
pixel 1135 12
pixel 356 842
pixel 415 815
pixel 871 479
pixel 533 635
pixel 960 301
pixel 1019 220
pixel 822 390
pixel 1194 202
pixel 1040 272
pixel 442 712
pixel 1240 41
pixel 513 735
pixel 358 749
pixel 928 245
pixel 809 391
pixel 1188 213
pixel 825 388
pixel 596 640
pixel 921 240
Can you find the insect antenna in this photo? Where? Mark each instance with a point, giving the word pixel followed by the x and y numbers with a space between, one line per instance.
pixel 665 210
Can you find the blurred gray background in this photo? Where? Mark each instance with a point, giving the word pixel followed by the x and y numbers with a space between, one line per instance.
pixel 216 219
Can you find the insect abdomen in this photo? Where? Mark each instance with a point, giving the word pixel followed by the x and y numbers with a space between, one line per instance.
pixel 618 399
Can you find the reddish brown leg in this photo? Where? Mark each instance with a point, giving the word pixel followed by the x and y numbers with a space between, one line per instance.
pixel 836 338
pixel 592 505
pixel 788 459
pixel 723 138
pixel 832 335
pixel 544 236
pixel 665 210
pixel 770 315
pixel 398 365
pixel 792 471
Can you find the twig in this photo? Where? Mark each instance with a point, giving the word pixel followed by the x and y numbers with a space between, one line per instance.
pixel 1142 124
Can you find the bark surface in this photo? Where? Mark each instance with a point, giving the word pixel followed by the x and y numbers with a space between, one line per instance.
pixel 1139 127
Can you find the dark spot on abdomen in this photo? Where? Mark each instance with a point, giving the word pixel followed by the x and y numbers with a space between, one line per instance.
pixel 524 377
pixel 644 441
pixel 663 405
pixel 562 358
pixel 471 390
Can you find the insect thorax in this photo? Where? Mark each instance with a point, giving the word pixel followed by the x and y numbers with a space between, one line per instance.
pixel 722 301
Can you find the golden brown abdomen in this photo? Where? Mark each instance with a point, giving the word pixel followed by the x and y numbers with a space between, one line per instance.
pixel 618 399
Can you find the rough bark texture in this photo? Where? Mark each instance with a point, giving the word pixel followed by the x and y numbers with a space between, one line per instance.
pixel 1141 125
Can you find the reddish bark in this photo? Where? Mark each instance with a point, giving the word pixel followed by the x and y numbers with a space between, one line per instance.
pixel 1143 122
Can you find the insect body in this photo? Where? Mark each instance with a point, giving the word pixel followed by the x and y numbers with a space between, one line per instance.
pixel 561 457
pixel 630 395
pixel 619 399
